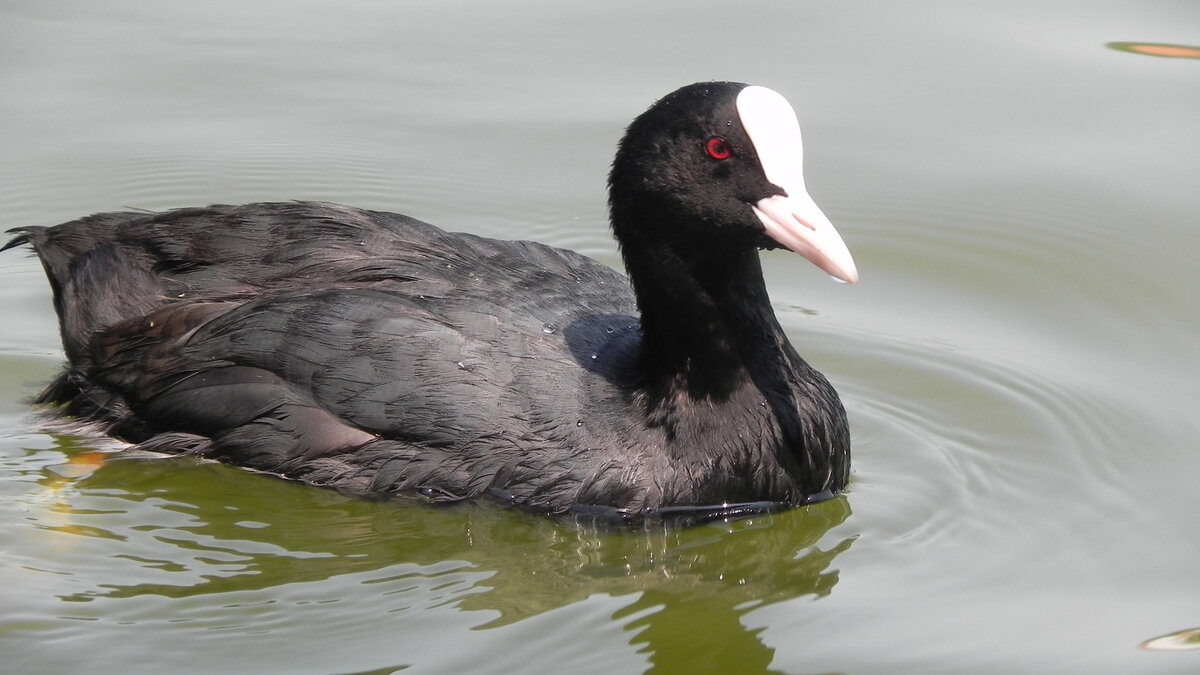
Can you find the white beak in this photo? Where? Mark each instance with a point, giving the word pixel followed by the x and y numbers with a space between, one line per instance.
pixel 794 220
pixel 799 225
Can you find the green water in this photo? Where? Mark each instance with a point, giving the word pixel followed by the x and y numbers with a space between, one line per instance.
pixel 1018 360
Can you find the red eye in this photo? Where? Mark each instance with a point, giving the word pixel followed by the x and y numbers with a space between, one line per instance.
pixel 718 148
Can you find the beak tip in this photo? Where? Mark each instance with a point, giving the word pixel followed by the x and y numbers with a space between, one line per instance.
pixel 799 225
pixel 844 274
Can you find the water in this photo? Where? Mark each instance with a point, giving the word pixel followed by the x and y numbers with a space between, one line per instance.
pixel 1018 360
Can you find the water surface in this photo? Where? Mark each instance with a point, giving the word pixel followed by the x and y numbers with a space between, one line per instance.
pixel 1017 185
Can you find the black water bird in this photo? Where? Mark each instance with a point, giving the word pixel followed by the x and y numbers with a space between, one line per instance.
pixel 376 354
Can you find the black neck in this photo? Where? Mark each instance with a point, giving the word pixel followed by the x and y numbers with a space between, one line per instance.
pixel 716 369
pixel 707 321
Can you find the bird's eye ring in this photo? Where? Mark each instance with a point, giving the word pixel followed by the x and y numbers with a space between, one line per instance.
pixel 718 148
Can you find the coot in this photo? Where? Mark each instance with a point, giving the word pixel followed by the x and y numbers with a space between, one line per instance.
pixel 376 354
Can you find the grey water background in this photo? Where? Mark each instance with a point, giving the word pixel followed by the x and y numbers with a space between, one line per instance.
pixel 1018 361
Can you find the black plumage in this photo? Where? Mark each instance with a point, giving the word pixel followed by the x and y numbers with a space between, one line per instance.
pixel 376 354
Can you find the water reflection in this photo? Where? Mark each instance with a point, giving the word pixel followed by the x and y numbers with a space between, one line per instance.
pixel 167 533
pixel 725 644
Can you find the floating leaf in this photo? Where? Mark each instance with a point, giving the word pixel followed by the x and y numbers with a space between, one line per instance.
pixel 1184 639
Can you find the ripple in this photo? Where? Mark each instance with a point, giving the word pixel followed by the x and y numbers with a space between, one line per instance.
pixel 950 445
pixel 1082 274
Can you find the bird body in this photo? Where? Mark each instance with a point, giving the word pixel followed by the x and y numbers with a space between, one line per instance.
pixel 376 354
